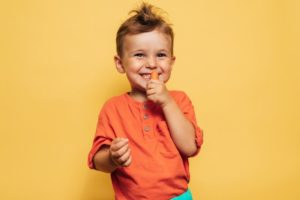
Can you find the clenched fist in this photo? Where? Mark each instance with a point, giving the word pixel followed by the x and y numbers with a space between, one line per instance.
pixel 120 152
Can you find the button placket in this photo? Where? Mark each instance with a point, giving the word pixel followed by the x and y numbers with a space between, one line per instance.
pixel 146 120
pixel 146 128
pixel 146 116
pixel 146 124
pixel 145 106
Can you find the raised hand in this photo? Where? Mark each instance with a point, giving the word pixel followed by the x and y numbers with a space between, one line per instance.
pixel 157 92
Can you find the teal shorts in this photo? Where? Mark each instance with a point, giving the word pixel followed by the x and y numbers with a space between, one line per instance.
pixel 185 196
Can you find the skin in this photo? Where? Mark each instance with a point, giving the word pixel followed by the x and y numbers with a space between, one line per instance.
pixel 143 53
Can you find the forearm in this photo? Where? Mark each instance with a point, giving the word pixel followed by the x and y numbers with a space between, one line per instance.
pixel 182 130
pixel 103 161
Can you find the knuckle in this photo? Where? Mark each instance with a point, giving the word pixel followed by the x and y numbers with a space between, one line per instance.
pixel 121 160
pixel 114 147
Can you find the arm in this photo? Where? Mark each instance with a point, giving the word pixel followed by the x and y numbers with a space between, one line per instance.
pixel 103 161
pixel 182 131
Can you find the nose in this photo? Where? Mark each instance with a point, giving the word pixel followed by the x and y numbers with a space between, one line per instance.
pixel 152 63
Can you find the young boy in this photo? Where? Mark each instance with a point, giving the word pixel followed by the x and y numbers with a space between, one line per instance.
pixel 144 137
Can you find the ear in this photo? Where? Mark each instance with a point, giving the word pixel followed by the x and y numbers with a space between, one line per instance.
pixel 119 64
pixel 173 60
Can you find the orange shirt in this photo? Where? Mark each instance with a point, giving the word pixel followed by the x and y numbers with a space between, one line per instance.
pixel 157 170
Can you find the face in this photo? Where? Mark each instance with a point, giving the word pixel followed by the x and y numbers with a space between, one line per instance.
pixel 143 53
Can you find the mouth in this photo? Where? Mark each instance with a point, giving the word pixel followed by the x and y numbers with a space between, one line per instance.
pixel 146 76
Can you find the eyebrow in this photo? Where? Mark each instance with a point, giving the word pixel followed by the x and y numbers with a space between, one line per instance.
pixel 138 50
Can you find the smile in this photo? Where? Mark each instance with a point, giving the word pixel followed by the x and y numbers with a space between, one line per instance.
pixel 146 76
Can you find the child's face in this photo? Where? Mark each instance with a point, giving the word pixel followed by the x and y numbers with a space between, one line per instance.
pixel 143 53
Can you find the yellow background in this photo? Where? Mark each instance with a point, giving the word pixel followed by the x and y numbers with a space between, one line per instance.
pixel 237 60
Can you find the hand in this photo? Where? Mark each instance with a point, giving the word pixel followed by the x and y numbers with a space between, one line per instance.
pixel 157 92
pixel 120 152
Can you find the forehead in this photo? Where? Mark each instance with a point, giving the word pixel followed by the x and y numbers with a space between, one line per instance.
pixel 147 40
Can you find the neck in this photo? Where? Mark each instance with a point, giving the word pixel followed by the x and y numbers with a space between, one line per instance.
pixel 138 95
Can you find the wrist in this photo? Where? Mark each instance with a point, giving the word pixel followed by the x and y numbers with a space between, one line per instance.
pixel 167 103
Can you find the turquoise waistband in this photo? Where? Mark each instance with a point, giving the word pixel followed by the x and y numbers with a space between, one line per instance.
pixel 185 196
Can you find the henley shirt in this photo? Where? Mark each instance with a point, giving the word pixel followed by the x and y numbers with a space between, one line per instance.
pixel 158 170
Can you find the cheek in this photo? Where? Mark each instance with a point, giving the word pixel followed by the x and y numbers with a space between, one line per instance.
pixel 135 65
pixel 166 73
pixel 167 67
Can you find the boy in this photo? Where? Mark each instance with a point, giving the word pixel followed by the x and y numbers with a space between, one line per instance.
pixel 144 137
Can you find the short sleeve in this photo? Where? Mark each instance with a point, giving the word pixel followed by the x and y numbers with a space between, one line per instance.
pixel 104 135
pixel 187 108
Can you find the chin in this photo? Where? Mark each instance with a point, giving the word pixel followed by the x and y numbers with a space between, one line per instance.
pixel 139 88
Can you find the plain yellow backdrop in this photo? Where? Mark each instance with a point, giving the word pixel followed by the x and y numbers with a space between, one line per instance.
pixel 237 60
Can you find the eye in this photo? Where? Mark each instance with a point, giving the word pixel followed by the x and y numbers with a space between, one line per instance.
pixel 161 55
pixel 139 55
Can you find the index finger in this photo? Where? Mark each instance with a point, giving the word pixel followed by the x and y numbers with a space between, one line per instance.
pixel 119 143
pixel 117 140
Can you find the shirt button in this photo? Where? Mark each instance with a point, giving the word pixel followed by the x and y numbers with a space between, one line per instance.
pixel 146 116
pixel 145 106
pixel 147 128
